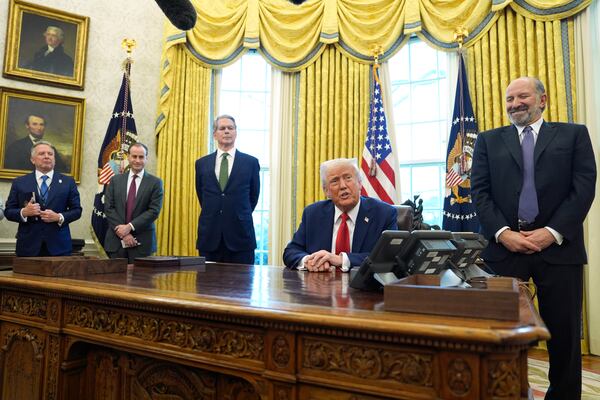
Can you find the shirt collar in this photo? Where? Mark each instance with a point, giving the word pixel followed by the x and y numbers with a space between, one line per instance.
pixel 535 127
pixel 220 152
pixel 34 140
pixel 140 174
pixel 39 174
pixel 352 214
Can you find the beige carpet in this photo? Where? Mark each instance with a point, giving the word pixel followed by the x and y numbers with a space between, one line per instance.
pixel 538 372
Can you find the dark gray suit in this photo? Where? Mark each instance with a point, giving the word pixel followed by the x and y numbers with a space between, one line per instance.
pixel 565 180
pixel 148 203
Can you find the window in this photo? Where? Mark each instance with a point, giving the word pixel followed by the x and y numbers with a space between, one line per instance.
pixel 245 94
pixel 419 83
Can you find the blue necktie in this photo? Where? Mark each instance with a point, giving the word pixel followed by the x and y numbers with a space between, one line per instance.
pixel 44 189
pixel 528 203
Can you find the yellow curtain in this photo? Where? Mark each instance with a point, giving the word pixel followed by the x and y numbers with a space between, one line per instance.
pixel 291 37
pixel 519 46
pixel 182 138
pixel 332 114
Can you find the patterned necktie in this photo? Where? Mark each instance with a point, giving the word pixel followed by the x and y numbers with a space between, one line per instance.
pixel 528 203
pixel 130 200
pixel 44 189
pixel 342 241
pixel 224 171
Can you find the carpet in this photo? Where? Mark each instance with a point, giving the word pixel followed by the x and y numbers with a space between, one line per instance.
pixel 538 380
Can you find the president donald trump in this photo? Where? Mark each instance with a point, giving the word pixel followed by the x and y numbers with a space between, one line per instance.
pixel 339 232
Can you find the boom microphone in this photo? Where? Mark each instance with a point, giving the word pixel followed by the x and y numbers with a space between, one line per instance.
pixel 181 13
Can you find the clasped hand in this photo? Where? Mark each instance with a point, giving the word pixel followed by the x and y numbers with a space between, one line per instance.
pixel 526 242
pixel 34 210
pixel 323 261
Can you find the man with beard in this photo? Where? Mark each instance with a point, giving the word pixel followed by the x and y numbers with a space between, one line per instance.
pixel 339 232
pixel 532 184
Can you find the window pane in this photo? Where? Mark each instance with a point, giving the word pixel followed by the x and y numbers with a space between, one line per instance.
pixel 420 100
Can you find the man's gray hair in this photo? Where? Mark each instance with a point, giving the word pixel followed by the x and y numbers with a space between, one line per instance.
pixel 325 165
pixel 39 143
pixel 229 117
pixel 59 31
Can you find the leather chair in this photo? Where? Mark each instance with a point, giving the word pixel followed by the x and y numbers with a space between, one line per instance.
pixel 405 217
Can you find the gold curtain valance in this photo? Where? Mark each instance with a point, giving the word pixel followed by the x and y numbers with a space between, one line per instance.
pixel 291 37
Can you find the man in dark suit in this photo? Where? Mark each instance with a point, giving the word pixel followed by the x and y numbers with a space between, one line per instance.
pixel 44 203
pixel 52 57
pixel 342 231
pixel 533 183
pixel 133 202
pixel 18 153
pixel 227 185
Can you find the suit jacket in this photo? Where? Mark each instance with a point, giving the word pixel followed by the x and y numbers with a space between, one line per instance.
pixel 63 198
pixel 148 203
pixel 316 230
pixel 56 62
pixel 565 176
pixel 18 156
pixel 228 213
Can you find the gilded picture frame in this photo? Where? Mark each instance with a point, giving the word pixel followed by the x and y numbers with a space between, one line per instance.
pixel 45 45
pixel 26 116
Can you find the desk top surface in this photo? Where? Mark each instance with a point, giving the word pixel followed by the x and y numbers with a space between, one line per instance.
pixel 275 293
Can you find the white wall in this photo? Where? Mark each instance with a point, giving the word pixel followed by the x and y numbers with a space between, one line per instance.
pixel 110 22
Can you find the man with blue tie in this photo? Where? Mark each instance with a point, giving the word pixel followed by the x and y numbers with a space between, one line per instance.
pixel 44 203
pixel 533 183
pixel 227 185
pixel 339 232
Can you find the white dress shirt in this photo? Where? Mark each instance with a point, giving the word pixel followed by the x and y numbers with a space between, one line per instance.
pixel 535 128
pixel 138 182
pixel 230 159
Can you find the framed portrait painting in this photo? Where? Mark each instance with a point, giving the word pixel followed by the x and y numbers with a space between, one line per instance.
pixel 45 45
pixel 27 117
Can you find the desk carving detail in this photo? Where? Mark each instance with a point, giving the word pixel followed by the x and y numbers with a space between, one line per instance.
pixel 459 377
pixel 504 378
pixel 186 335
pixel 25 305
pixel 369 362
pixel 281 351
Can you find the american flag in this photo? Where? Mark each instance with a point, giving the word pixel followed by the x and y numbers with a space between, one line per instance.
pixel 378 161
pixel 120 134
pixel 459 212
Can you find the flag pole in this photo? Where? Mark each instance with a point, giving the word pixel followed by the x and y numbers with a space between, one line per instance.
pixel 128 45
pixel 377 51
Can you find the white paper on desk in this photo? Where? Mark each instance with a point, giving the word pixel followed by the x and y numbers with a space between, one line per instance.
pixel 125 245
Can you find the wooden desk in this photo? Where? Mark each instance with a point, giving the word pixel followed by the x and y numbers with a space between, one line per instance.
pixel 243 332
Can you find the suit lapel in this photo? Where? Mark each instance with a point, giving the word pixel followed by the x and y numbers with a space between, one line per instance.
pixel 545 136
pixel 327 214
pixel 361 226
pixel 211 160
pixel 57 180
pixel 510 136
pixel 141 191
pixel 235 169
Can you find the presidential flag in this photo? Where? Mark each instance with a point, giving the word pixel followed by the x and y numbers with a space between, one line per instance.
pixel 120 134
pixel 378 161
pixel 459 212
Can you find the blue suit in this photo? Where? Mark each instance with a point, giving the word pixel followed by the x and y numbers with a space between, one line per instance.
pixel 316 230
pixel 227 215
pixel 63 198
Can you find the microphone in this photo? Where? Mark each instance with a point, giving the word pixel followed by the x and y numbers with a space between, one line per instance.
pixel 181 13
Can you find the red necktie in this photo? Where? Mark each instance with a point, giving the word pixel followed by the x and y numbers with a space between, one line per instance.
pixel 130 201
pixel 342 241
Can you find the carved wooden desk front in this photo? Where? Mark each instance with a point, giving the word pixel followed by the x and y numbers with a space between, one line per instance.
pixel 244 332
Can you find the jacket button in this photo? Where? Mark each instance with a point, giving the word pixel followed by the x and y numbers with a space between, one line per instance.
pixel 222 194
